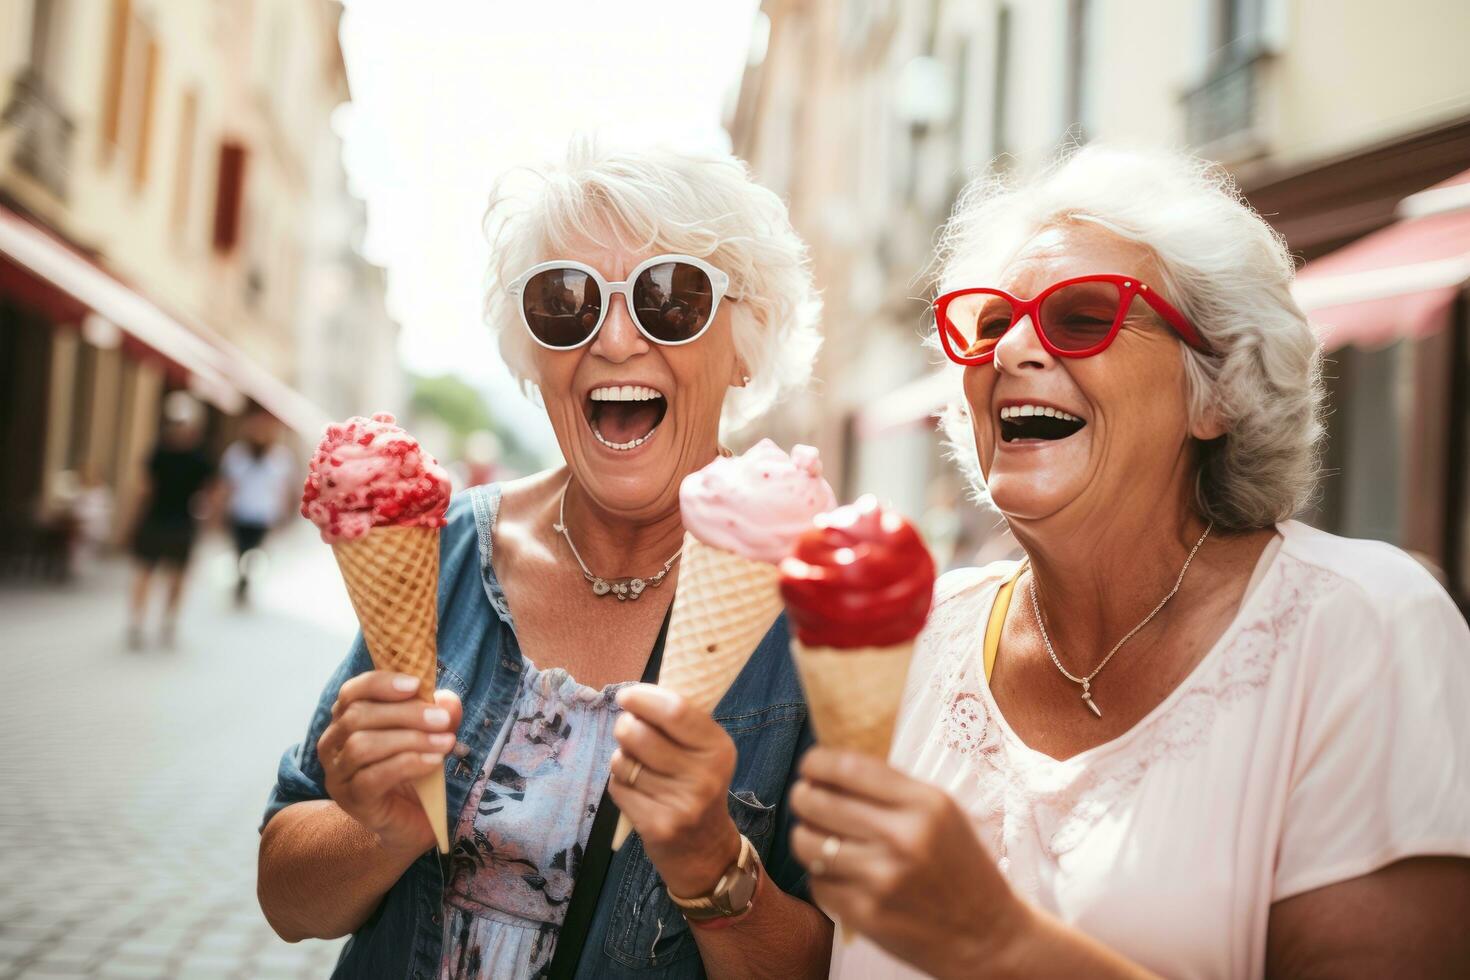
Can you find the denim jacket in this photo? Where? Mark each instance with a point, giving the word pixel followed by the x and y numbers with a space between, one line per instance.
pixel 636 932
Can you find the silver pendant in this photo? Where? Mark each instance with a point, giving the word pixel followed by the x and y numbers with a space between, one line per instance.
pixel 622 590
pixel 1087 698
pixel 627 588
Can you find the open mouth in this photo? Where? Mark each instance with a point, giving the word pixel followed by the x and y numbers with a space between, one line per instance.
pixel 624 417
pixel 1039 422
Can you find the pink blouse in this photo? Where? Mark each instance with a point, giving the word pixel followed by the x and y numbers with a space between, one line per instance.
pixel 1326 735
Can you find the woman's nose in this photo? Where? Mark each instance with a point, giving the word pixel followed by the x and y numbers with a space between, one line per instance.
pixel 619 338
pixel 1021 347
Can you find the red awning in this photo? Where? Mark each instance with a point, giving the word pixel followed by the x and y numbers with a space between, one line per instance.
pixel 1400 281
pixel 216 370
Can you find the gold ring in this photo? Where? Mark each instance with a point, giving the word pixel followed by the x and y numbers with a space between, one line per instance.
pixel 634 773
pixel 824 861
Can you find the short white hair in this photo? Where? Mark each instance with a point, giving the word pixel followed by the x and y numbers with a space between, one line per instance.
pixel 1225 269
pixel 665 201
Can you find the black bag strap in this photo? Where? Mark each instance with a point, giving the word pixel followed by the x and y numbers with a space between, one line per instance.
pixel 596 857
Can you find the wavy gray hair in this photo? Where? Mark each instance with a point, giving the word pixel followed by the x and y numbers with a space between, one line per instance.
pixel 1225 269
pixel 664 201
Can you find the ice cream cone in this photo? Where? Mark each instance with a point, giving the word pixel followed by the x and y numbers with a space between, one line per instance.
pixel 392 576
pixel 724 605
pixel 854 695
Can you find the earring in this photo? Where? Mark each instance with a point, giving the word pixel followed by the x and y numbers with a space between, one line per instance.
pixel 745 381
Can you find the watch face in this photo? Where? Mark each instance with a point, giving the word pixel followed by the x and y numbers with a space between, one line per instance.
pixel 742 889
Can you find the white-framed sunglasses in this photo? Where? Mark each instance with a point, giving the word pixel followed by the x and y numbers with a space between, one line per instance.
pixel 672 300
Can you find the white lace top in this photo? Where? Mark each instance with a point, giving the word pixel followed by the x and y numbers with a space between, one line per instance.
pixel 1326 734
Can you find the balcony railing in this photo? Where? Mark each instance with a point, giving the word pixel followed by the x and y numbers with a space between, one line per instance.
pixel 44 148
pixel 1226 105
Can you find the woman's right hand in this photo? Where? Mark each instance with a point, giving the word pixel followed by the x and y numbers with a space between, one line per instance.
pixel 381 739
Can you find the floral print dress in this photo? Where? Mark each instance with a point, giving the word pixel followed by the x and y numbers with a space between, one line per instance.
pixel 519 841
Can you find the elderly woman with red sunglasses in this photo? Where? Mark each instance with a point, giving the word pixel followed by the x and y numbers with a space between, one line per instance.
pixel 650 300
pixel 1186 735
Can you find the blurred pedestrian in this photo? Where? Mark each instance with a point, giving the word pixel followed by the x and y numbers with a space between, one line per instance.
pixel 257 471
pixel 177 471
pixel 79 522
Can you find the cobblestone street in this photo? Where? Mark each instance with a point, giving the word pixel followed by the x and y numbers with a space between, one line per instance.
pixel 132 782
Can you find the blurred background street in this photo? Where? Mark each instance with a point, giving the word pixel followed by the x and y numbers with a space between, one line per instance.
pixel 133 780
pixel 224 223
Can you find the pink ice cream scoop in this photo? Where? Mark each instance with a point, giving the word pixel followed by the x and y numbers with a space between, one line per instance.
pixel 756 505
pixel 369 473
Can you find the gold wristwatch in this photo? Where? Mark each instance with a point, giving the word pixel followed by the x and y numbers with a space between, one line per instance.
pixel 732 894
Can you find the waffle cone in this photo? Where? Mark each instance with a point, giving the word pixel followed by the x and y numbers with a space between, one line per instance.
pixel 724 606
pixel 854 695
pixel 392 576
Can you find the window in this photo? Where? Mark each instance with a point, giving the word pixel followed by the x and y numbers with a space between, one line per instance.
pixel 971 136
pixel 46 26
pixel 1000 128
pixel 1237 24
pixel 129 91
pixel 229 197
pixel 34 107
pixel 1221 112
pixel 144 114
pixel 1079 67
pixel 184 174
pixel 115 78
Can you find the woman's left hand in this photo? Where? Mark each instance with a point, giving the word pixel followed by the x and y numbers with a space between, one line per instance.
pixel 677 800
pixel 898 861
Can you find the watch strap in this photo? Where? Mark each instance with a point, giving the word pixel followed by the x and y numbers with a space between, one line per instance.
pixel 708 907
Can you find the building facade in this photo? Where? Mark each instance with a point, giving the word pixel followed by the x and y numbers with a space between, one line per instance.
pixel 168 181
pixel 870 115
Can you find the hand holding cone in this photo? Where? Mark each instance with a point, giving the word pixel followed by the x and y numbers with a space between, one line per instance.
pixel 858 587
pixel 379 500
pixel 740 516
pixel 392 576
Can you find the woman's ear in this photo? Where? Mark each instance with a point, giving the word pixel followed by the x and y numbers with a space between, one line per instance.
pixel 1209 426
pixel 739 375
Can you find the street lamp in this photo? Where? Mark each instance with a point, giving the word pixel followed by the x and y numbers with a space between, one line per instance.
pixel 925 93
pixel 101 332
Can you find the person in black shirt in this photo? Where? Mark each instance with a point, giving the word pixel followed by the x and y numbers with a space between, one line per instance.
pixel 177 471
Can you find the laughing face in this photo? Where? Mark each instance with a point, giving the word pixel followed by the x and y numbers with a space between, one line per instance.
pixel 632 417
pixel 1077 438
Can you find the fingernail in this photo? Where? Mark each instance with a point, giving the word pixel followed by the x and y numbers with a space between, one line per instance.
pixel 443 740
pixel 437 717
pixel 403 682
pixel 433 757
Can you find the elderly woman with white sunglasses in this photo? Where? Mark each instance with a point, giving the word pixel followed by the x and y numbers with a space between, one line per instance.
pixel 650 300
pixel 1187 735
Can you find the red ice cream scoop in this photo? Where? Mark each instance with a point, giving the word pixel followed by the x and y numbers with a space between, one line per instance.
pixel 860 577
pixel 367 473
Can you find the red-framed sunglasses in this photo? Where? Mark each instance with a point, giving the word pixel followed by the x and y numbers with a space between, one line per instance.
pixel 1074 318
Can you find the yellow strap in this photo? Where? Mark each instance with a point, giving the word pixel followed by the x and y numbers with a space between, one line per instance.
pixel 997 623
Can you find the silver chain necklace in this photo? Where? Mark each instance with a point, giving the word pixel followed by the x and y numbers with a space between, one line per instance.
pixel 623 588
pixel 1086 682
